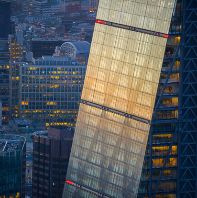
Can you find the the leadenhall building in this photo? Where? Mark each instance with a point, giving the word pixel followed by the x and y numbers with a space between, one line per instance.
pixel 115 120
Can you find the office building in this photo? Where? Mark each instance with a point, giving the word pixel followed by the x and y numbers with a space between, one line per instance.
pixel 15 49
pixel 55 1
pixel 169 167
pixel 51 152
pixel 4 79
pixel 118 98
pixel 27 7
pixel 16 56
pixel 93 5
pixel 5 29
pixel 187 175
pixel 51 88
pixel 160 169
pixel 12 166
pixel 50 95
pixel 14 89
pixel 41 47
pixel 35 7
pixel 29 166
pixel 0 114
pixel 5 24
pixel 72 6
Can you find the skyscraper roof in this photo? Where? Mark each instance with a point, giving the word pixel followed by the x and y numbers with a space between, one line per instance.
pixel 9 143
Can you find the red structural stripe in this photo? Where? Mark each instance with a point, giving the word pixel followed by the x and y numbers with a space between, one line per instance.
pixel 131 28
pixel 165 35
pixel 101 21
pixel 69 182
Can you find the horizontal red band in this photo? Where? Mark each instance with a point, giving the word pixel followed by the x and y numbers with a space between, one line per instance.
pixel 165 35
pixel 101 21
pixel 131 28
pixel 69 182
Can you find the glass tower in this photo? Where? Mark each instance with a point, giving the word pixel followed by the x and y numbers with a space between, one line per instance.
pixel 5 24
pixel 118 98
pixel 160 170
pixel 4 79
pixel 12 166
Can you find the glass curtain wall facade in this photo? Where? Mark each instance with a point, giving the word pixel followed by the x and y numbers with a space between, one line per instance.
pixel 118 98
pixel 51 152
pixel 160 170
pixel 187 178
pixel 4 79
pixel 50 91
pixel 5 25
pixel 12 166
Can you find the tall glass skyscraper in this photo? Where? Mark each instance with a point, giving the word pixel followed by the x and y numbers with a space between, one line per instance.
pixel 170 164
pixel 118 98
pixel 160 170
pixel 5 24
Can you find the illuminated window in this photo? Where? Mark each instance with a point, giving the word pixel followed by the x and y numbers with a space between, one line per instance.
pixel 174 76
pixel 177 39
pixel 51 103
pixel 25 103
pixel 15 78
pixel 174 150
pixel 172 162
pixel 177 64
pixel 170 101
pixel 32 68
pixel 158 162
pixel 55 77
pixel 55 86
pixel 163 136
